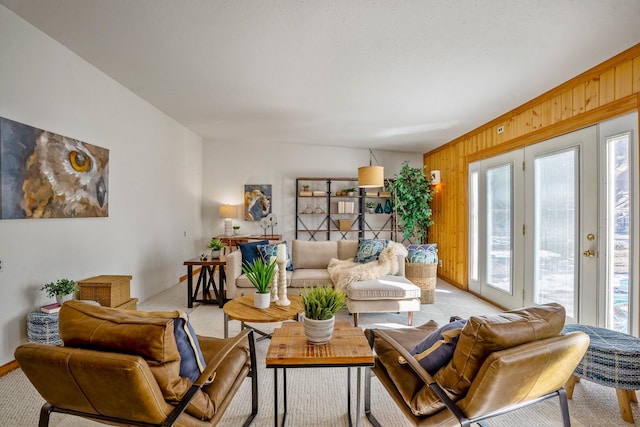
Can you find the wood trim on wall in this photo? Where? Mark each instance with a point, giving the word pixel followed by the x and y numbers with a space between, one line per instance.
pixel 605 91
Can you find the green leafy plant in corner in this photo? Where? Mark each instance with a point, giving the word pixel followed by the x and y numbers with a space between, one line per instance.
pixel 260 274
pixel 215 244
pixel 61 288
pixel 413 195
pixel 322 302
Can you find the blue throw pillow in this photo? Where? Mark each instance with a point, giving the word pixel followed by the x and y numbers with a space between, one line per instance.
pixel 439 347
pixel 250 250
pixel 370 249
pixel 192 362
pixel 267 251
pixel 423 254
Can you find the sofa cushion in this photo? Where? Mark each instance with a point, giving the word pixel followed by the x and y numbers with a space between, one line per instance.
pixel 436 350
pixel 386 287
pixel 484 335
pixel 146 334
pixel 370 249
pixel 268 251
pixel 312 254
pixel 250 251
pixel 347 249
pixel 422 254
pixel 309 277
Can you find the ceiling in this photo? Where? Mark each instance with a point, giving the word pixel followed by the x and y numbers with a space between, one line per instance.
pixel 389 75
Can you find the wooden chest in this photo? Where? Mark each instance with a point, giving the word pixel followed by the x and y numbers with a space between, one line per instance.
pixel 109 291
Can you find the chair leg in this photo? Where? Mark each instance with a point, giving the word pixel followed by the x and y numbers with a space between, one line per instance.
pixel 367 398
pixel 564 408
pixel 625 405
pixel 45 412
pixel 410 318
pixel 570 385
pixel 355 319
pixel 254 380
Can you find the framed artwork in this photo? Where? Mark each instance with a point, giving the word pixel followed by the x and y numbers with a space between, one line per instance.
pixel 257 201
pixel 46 175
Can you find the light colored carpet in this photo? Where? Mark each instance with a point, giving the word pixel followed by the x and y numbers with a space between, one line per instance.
pixel 317 397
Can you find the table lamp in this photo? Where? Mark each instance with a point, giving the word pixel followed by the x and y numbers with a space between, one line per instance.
pixel 227 212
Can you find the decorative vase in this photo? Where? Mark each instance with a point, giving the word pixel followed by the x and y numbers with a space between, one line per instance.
pixel 379 208
pixel 318 331
pixel 261 300
pixel 215 253
pixel 61 299
pixel 387 206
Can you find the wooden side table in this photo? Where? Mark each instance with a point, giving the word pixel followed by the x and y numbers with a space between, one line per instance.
pixel 232 241
pixel 289 349
pixel 242 309
pixel 206 280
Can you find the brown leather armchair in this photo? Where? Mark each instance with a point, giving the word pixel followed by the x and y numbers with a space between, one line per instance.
pixel 500 363
pixel 123 368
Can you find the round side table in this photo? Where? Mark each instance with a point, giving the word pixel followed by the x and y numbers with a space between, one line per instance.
pixel 242 309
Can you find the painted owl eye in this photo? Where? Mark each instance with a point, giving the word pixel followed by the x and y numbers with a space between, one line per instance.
pixel 79 161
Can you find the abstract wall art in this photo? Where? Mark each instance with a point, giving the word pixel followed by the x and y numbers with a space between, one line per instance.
pixel 257 201
pixel 46 175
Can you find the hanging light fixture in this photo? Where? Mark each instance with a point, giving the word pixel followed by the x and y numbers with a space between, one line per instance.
pixel 371 176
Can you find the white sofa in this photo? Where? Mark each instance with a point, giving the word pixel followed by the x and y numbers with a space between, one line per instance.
pixel 393 293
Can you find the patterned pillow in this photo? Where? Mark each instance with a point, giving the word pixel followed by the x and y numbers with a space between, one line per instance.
pixel 370 249
pixel 267 251
pixel 437 348
pixel 423 254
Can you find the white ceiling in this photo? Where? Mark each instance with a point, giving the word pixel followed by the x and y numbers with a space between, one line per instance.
pixel 390 75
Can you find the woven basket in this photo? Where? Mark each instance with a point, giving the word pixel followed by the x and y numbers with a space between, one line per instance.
pixel 424 277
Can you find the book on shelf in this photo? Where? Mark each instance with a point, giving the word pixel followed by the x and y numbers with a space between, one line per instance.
pixel 371 193
pixel 319 193
pixel 340 207
pixel 306 194
pixel 384 194
pixel 50 308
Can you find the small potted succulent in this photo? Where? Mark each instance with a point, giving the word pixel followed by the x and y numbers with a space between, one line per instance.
pixel 371 207
pixel 236 230
pixel 216 246
pixel 320 307
pixel 350 191
pixel 62 290
pixel 260 274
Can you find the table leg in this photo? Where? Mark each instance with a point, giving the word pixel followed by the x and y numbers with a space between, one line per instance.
pixel 358 393
pixel 349 396
pixel 190 286
pixel 275 397
pixel 221 279
pixel 284 384
pixel 226 325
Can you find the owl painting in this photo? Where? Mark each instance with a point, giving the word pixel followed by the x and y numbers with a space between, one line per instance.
pixel 46 175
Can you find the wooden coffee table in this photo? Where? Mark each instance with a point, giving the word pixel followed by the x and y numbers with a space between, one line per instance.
pixel 242 309
pixel 289 349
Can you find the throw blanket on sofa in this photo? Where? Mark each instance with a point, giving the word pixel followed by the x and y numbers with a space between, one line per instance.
pixel 344 272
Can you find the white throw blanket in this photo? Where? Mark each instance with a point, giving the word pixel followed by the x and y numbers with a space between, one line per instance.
pixel 344 272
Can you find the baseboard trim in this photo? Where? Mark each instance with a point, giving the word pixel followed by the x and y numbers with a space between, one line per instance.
pixel 195 271
pixel 6 368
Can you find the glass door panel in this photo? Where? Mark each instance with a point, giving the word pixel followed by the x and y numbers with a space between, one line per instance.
pixel 499 228
pixel 555 228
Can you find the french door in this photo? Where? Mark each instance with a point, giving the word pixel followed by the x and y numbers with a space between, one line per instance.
pixel 556 222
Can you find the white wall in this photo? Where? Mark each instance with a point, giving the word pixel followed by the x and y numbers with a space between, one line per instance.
pixel 155 181
pixel 228 167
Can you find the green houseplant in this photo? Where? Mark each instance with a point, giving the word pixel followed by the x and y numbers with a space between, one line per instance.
pixel 216 246
pixel 62 289
pixel 260 274
pixel 320 307
pixel 413 195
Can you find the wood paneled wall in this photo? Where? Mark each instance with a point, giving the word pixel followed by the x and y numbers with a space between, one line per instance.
pixel 605 91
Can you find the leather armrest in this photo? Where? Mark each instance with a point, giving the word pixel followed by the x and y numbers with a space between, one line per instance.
pixel 210 371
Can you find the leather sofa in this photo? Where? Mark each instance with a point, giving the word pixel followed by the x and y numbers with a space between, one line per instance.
pixel 310 259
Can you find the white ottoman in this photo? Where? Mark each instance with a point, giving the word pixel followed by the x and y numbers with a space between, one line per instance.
pixel 389 294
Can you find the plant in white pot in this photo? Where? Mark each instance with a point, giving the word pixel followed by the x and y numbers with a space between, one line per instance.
pixel 216 246
pixel 62 290
pixel 320 307
pixel 260 274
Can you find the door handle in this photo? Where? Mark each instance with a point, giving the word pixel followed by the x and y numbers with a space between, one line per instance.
pixel 590 253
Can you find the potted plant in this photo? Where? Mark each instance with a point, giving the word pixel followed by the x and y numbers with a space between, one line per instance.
pixel 260 274
pixel 235 230
pixel 371 207
pixel 350 191
pixel 62 290
pixel 412 192
pixel 216 246
pixel 320 307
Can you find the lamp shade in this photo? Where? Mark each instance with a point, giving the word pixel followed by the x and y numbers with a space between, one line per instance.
pixel 371 176
pixel 227 211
